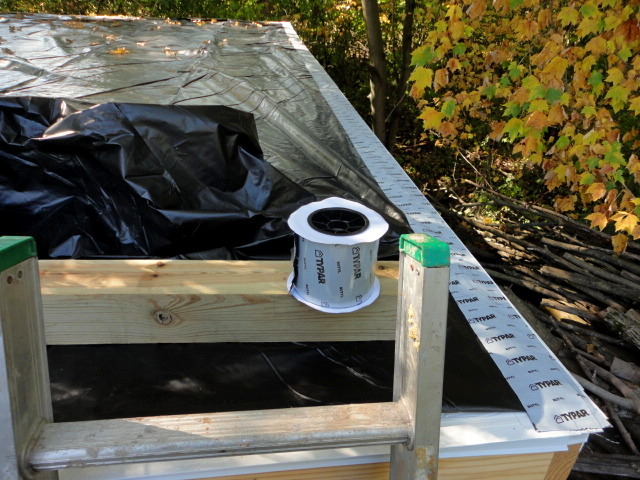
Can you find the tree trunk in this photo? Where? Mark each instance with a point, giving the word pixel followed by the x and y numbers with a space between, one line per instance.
pixel 405 71
pixel 378 68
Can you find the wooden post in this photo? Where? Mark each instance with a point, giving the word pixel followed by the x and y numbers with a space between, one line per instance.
pixel 25 396
pixel 423 292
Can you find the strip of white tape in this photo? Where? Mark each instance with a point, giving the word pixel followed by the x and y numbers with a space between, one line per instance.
pixel 552 398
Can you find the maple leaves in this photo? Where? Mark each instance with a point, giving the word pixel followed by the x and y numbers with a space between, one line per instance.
pixel 558 80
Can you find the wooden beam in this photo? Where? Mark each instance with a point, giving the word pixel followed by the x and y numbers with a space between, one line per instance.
pixel 367 471
pixel 183 301
pixel 25 398
pixel 105 442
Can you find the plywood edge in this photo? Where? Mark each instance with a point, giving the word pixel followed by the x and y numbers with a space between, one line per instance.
pixel 562 463
pixel 533 466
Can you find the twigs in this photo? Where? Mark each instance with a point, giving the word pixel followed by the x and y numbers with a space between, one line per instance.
pixel 604 394
pixel 572 309
pixel 546 213
pixel 581 298
pixel 626 436
pixel 627 466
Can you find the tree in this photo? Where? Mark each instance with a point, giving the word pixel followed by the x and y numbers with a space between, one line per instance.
pixel 378 69
pixel 388 85
pixel 556 82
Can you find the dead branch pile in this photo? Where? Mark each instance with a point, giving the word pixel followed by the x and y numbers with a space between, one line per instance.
pixel 581 298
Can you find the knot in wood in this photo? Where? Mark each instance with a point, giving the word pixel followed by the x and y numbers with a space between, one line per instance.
pixel 163 317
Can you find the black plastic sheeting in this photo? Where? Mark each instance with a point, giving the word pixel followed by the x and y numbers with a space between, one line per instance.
pixel 115 381
pixel 116 140
pixel 140 181
pixel 250 67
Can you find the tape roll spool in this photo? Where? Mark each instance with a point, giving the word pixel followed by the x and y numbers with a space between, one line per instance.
pixel 335 254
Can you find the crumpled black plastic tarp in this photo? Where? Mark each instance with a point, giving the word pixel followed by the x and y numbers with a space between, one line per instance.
pixel 137 181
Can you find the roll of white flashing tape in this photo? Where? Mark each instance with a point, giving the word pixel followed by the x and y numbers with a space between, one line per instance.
pixel 335 255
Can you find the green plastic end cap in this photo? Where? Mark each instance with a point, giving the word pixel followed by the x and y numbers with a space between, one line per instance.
pixel 14 250
pixel 429 251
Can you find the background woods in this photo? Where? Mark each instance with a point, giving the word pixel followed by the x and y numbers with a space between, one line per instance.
pixel 535 99
pixel 519 120
pixel 550 87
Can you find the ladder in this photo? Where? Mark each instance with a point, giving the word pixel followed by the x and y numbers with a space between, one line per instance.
pixel 32 446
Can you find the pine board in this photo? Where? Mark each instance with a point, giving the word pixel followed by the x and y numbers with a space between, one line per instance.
pixel 181 301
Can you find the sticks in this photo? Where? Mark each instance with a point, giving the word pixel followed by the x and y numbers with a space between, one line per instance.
pixel 613 380
pixel 603 273
pixel 590 283
pixel 604 394
pixel 558 264
pixel 585 314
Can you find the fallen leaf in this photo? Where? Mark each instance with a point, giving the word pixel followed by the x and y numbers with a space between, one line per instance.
pixel 565 204
pixel 456 29
pixel 619 242
pixel 556 115
pixel 597 219
pixel 527 29
pixel 625 221
pixel 629 30
pixel 597 190
pixel 74 24
pixel 119 51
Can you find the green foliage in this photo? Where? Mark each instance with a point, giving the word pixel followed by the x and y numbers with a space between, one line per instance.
pixel 554 85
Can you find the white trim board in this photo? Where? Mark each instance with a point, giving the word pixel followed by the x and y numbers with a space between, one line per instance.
pixel 461 435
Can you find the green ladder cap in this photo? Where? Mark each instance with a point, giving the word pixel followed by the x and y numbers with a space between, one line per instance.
pixel 429 251
pixel 14 250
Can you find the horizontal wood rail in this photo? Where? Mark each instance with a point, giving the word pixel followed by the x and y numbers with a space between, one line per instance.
pixel 175 437
pixel 184 301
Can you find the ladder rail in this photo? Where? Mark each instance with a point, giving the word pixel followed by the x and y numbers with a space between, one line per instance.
pixel 421 328
pixel 411 423
pixel 177 437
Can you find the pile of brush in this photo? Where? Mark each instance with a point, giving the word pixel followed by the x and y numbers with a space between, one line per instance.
pixel 583 300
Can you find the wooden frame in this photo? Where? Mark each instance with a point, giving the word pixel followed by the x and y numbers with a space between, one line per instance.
pixel 421 320
pixel 534 466
pixel 185 301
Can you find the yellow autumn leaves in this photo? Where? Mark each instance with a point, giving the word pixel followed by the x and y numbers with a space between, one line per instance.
pixel 558 80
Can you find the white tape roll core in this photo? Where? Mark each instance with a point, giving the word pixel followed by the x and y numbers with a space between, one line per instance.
pixel 335 256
